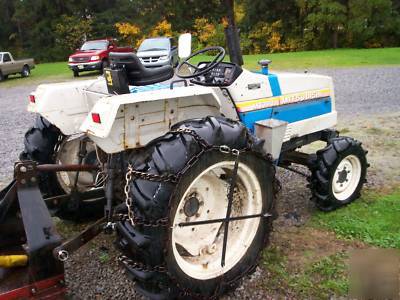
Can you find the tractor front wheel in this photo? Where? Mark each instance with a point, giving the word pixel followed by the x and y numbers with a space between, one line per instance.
pixel 175 261
pixel 338 174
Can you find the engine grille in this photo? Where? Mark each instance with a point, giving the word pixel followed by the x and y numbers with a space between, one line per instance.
pixel 150 59
pixel 81 59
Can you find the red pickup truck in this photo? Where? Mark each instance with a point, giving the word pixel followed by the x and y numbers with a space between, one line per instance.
pixel 93 55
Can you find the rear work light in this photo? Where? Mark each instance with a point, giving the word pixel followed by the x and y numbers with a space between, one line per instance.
pixel 32 98
pixel 96 118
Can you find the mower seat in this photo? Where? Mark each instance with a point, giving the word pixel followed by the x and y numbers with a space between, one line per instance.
pixel 136 73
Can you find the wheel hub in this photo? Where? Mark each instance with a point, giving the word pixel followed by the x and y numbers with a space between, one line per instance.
pixel 343 175
pixel 346 177
pixel 192 205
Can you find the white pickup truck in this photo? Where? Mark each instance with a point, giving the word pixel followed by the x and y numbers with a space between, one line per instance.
pixel 9 66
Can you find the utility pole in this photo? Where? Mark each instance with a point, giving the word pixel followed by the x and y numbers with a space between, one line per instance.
pixel 232 35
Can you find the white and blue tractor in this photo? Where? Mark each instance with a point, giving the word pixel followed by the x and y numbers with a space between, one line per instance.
pixel 179 166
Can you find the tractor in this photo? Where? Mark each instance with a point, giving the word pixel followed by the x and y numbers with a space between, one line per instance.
pixel 180 167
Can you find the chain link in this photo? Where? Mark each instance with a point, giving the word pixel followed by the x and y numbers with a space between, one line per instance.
pixel 141 266
pixel 203 143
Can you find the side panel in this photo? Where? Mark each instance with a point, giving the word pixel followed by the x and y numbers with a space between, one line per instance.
pixel 132 120
pixel 148 120
pixel 289 112
pixel 301 111
pixel 249 118
pixel 311 125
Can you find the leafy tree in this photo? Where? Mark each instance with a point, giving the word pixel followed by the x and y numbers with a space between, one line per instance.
pixel 372 23
pixel 71 31
pixel 49 29
pixel 162 28
pixel 207 33
pixel 129 32
pixel 324 22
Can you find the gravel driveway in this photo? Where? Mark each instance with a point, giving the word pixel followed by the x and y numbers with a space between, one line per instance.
pixel 93 273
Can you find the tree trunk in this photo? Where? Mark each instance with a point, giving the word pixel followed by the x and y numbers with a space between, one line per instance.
pixel 335 39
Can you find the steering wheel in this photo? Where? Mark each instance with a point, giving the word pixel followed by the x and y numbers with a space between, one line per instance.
pixel 218 58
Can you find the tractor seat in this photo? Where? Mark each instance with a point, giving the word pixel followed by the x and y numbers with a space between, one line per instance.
pixel 138 74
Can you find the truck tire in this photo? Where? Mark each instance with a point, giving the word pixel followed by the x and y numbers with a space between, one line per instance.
pixel 168 262
pixel 25 71
pixel 2 77
pixel 338 173
pixel 41 144
pixel 76 73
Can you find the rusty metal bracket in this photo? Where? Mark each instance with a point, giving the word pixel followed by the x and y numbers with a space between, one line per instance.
pixel 40 231
pixel 66 168
pixel 63 251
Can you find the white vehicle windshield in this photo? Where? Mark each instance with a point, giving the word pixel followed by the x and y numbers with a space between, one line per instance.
pixel 154 45
pixel 95 45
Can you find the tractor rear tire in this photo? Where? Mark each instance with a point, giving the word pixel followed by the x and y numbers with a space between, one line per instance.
pixel 40 142
pixel 338 173
pixel 155 246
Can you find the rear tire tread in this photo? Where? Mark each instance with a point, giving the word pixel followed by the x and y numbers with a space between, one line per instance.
pixel 156 158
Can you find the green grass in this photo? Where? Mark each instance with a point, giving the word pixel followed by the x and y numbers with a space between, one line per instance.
pixel 59 71
pixel 372 219
pixel 326 58
pixel 316 280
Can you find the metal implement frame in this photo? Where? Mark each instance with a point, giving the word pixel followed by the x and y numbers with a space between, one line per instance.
pixel 26 227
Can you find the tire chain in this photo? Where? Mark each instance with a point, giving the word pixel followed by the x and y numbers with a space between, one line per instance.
pixel 171 178
pixel 164 222
pixel 141 266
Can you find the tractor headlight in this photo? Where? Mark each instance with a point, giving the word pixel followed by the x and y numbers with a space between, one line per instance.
pixel 95 57
pixel 164 57
pixel 70 59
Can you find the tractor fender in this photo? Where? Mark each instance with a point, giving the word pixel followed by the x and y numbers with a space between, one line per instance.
pixel 130 121
pixel 66 105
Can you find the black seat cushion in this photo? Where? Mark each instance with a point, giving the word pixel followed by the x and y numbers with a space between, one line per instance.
pixel 137 73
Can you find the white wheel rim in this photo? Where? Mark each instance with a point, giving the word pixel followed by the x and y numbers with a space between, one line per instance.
pixel 202 244
pixel 346 178
pixel 69 154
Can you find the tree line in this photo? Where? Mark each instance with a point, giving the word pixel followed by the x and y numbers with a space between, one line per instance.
pixel 49 30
